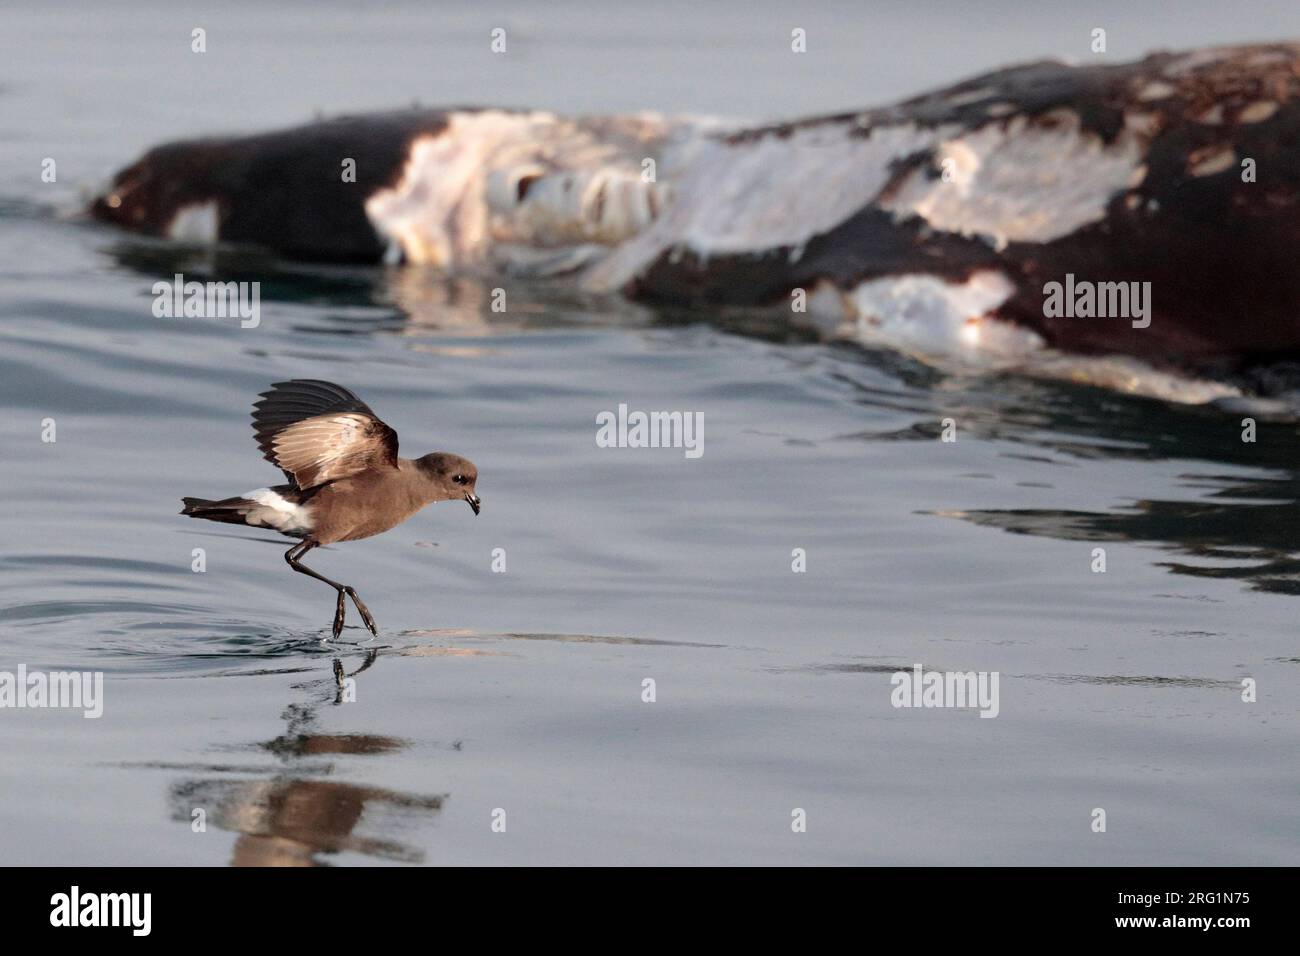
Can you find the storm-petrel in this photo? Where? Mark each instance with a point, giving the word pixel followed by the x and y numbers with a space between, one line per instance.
pixel 345 478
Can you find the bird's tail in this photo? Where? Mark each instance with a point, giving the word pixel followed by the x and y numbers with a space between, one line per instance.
pixel 280 508
pixel 230 510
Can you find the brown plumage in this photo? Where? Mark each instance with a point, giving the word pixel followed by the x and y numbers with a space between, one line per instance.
pixel 346 480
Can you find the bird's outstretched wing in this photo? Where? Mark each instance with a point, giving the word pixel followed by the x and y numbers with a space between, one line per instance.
pixel 317 432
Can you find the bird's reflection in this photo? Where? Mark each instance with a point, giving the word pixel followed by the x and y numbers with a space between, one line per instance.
pixel 293 818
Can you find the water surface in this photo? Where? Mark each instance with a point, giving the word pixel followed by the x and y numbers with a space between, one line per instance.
pixel 522 691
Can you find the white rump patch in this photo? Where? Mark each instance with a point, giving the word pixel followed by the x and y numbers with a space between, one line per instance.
pixel 197 222
pixel 277 512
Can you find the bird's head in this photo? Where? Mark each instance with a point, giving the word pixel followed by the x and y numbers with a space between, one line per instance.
pixel 450 477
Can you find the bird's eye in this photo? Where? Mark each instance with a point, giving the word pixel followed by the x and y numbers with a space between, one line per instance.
pixel 459 479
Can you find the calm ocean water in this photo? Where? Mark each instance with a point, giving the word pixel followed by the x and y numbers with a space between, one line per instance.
pixel 522 692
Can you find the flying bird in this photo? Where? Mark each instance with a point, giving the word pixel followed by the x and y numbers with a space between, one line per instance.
pixel 345 479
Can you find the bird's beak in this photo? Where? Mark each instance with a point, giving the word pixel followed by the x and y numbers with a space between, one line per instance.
pixel 473 500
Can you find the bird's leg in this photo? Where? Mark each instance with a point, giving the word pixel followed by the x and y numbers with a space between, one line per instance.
pixel 362 610
pixel 296 552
